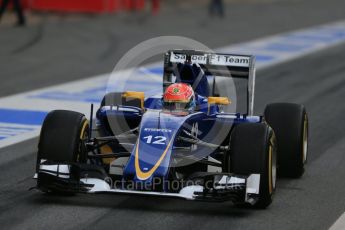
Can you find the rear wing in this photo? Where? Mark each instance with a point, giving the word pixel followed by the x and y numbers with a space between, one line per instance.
pixel 214 64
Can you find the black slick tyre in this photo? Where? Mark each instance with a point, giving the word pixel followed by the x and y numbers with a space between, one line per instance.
pixel 290 124
pixel 61 136
pixel 253 151
pixel 61 142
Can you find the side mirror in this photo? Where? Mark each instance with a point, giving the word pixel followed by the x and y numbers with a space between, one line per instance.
pixel 218 100
pixel 132 95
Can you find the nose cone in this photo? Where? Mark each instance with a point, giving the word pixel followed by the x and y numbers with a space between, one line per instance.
pixel 150 160
pixel 153 151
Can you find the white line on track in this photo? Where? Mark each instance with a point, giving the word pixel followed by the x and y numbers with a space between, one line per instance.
pixel 339 224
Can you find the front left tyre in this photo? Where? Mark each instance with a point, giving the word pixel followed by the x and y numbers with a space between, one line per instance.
pixel 61 139
pixel 61 136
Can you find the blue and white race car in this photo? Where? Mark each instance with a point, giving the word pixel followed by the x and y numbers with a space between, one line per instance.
pixel 182 144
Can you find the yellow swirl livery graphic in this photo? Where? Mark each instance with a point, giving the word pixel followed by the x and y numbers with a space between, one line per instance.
pixel 145 175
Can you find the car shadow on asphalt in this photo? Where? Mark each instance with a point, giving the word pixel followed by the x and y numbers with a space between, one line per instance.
pixel 144 203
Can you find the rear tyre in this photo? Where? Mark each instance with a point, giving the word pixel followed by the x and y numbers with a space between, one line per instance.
pixel 120 123
pixel 116 98
pixel 61 138
pixel 290 124
pixel 253 151
pixel 113 98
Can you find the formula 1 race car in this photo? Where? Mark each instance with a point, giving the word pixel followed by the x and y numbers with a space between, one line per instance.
pixel 182 144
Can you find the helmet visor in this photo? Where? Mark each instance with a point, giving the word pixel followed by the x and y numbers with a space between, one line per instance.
pixel 177 106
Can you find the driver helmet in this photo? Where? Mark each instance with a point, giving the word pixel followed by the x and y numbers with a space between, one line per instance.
pixel 179 98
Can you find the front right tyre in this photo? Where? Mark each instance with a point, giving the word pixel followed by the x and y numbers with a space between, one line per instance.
pixel 253 151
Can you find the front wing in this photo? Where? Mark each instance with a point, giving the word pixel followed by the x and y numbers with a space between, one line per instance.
pixel 215 186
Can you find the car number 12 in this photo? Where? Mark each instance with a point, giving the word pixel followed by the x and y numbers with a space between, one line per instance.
pixel 157 140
